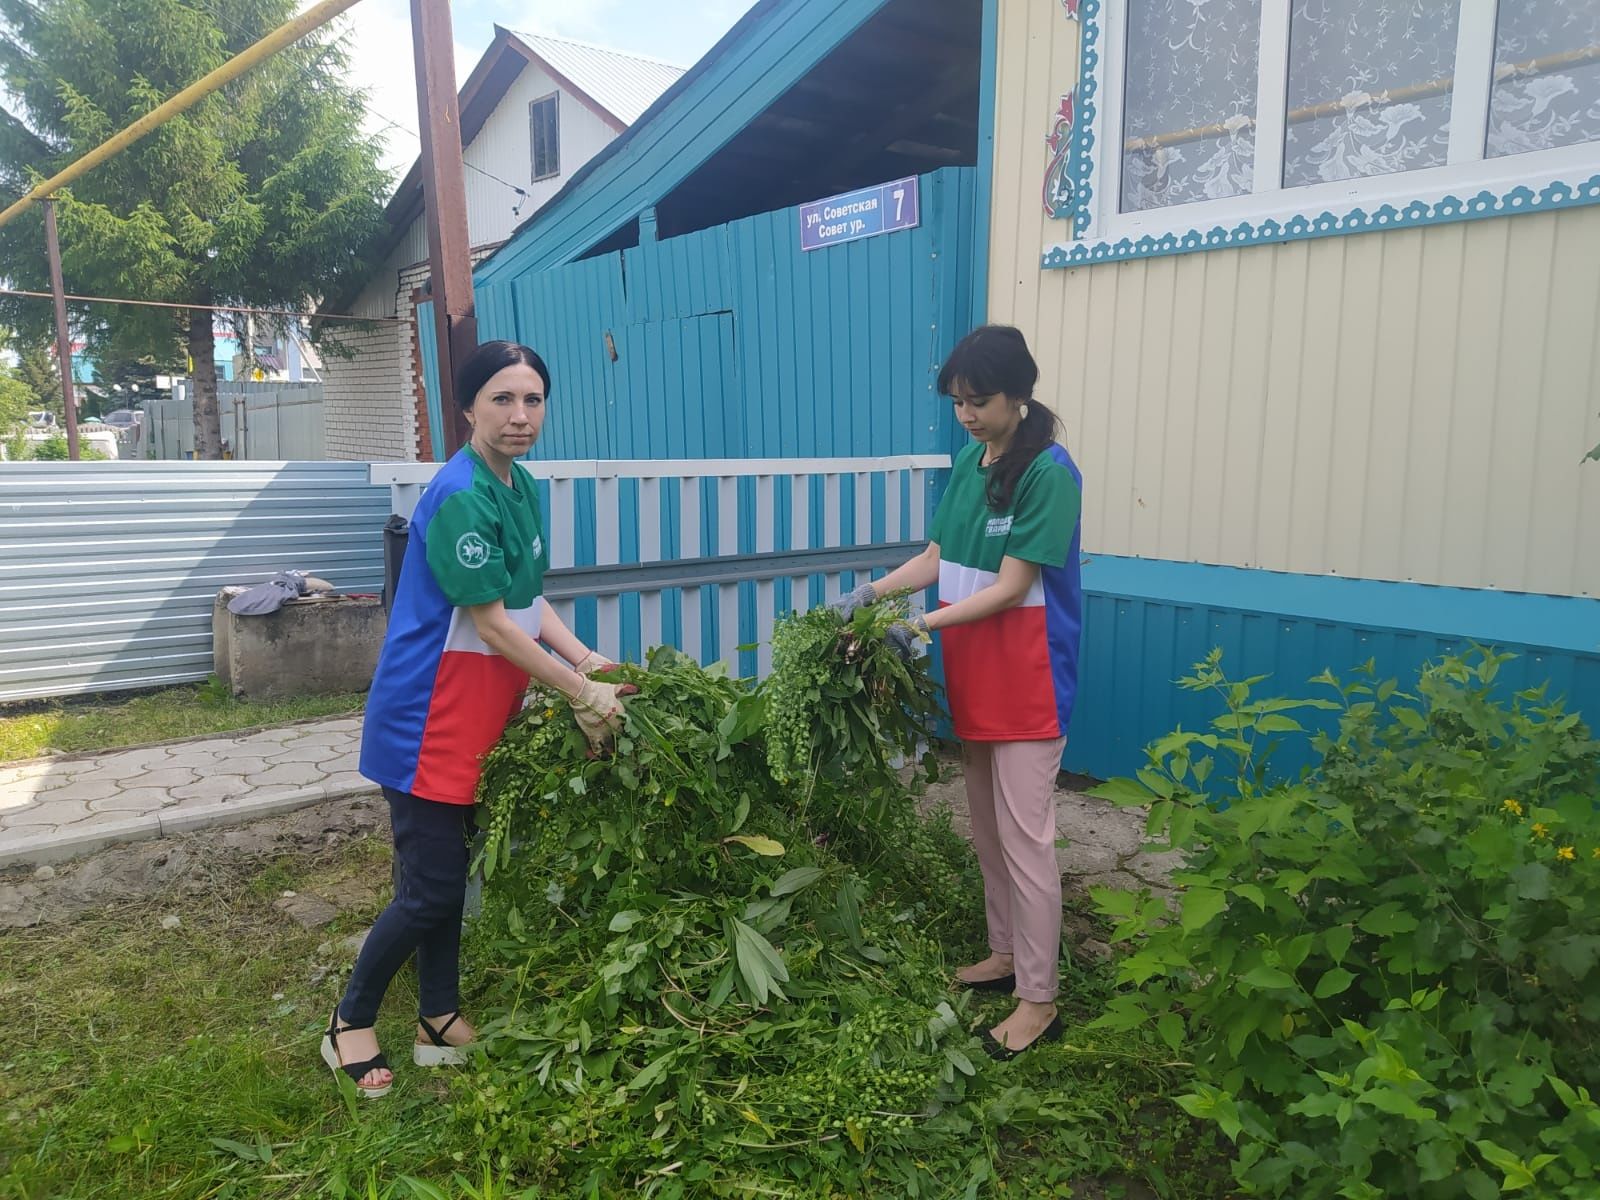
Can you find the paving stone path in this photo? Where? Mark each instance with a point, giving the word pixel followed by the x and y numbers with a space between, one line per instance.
pixel 62 808
pixel 58 808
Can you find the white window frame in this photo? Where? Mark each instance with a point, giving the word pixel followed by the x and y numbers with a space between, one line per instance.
pixel 554 100
pixel 1468 185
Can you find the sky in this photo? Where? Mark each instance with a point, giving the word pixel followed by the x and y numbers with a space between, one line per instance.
pixel 677 31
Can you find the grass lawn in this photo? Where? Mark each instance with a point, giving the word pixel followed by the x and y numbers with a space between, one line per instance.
pixel 138 1061
pixel 27 731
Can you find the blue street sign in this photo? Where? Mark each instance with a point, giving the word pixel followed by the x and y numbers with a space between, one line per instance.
pixel 861 214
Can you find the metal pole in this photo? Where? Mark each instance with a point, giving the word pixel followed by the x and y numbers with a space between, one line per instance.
pixel 63 337
pixel 444 193
pixel 287 33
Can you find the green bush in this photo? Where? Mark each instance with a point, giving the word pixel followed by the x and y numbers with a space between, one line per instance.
pixel 52 449
pixel 1385 971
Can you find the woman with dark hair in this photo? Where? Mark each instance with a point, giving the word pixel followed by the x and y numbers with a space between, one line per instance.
pixel 1004 550
pixel 462 644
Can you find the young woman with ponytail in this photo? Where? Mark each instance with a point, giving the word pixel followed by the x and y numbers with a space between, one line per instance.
pixel 1004 550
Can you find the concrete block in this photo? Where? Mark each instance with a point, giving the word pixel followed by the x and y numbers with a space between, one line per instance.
pixel 307 647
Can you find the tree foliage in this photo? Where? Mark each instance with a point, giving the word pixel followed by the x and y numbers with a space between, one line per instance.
pixel 265 194
pixel 15 400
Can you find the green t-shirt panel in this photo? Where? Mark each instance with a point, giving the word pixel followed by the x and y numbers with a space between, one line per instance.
pixel 1038 527
pixel 485 542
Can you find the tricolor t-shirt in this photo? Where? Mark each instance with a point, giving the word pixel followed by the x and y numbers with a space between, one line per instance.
pixel 440 697
pixel 1013 676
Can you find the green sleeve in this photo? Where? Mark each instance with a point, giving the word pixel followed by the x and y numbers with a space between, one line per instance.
pixel 1044 514
pixel 464 551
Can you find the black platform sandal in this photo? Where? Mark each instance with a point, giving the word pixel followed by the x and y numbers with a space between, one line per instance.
pixel 441 1053
pixel 330 1055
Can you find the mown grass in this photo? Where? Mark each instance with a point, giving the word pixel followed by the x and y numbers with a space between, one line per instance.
pixel 140 1062
pixel 28 731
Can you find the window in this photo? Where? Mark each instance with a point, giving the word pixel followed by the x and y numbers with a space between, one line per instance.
pixel 1225 122
pixel 544 122
pixel 1546 76
pixel 1370 87
pixel 1191 103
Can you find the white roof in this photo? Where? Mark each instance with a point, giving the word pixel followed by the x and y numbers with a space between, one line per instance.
pixel 623 84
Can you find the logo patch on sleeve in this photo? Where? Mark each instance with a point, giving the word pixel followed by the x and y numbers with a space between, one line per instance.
pixel 998 527
pixel 471 550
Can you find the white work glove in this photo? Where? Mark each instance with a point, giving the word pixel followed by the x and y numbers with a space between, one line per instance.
pixel 598 709
pixel 592 663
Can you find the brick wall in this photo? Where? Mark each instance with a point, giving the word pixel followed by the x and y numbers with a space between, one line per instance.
pixel 374 405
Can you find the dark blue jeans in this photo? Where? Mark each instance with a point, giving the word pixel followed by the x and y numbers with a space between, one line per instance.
pixel 424 918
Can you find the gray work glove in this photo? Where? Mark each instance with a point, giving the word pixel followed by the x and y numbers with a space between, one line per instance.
pixel 846 605
pixel 270 596
pixel 908 637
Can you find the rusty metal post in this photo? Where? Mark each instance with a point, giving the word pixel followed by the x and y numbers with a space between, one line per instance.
pixel 444 194
pixel 58 292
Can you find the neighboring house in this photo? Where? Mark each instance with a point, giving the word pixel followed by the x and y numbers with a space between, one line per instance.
pixel 1311 285
pixel 534 110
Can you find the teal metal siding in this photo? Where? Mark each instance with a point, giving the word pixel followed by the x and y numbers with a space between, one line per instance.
pixel 1147 622
pixel 732 342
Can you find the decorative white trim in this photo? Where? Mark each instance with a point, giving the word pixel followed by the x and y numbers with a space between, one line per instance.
pixel 1469 187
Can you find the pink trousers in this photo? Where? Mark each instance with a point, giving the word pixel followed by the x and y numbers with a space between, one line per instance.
pixel 1011 793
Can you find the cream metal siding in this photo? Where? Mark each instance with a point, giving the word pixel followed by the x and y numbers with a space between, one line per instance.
pixel 1405 406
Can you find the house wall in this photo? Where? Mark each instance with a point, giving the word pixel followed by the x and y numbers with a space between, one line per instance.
pixel 371 411
pixel 1407 406
pixel 1382 430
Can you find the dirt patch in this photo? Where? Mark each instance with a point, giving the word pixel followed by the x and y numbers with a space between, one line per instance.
pixel 191 864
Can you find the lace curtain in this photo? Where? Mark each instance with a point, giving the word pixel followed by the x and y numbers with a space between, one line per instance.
pixel 1190 101
pixel 1547 76
pixel 1369 88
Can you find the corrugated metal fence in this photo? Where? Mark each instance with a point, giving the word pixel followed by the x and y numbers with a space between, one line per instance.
pixel 108 570
pixel 261 422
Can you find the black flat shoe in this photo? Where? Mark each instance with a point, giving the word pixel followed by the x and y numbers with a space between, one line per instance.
pixel 993 1048
pixel 1005 983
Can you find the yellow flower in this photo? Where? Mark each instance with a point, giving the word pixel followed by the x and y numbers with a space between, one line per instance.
pixel 1512 807
pixel 1540 829
pixel 550 712
pixel 1565 854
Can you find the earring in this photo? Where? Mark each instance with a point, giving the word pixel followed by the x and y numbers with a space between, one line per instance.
pixel 1023 411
